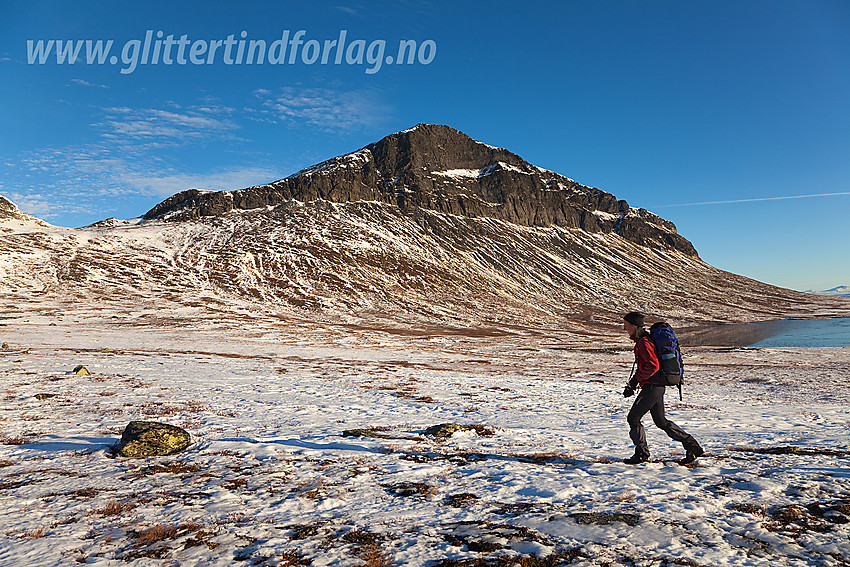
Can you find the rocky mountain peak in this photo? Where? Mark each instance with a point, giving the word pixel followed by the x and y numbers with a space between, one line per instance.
pixel 8 209
pixel 435 147
pixel 437 168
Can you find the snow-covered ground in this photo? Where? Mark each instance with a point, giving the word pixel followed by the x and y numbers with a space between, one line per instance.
pixel 271 479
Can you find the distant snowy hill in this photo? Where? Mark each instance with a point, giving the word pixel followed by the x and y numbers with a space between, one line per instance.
pixel 12 219
pixel 840 291
pixel 426 228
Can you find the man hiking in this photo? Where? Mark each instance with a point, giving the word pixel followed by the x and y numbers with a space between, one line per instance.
pixel 651 382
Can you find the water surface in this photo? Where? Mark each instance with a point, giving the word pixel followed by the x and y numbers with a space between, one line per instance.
pixel 785 333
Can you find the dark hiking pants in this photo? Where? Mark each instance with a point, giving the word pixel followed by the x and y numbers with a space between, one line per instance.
pixel 651 399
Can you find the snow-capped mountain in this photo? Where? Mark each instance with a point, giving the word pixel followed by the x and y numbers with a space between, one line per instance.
pixel 426 228
pixel 437 168
pixel 840 291
pixel 12 218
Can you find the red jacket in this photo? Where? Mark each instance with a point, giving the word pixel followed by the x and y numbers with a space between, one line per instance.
pixel 646 359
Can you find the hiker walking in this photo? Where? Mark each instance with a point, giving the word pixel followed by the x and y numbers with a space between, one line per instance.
pixel 651 381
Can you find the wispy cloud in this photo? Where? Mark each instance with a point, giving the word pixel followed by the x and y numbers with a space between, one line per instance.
pixel 46 206
pixel 93 171
pixel 352 10
pixel 168 126
pixel 780 198
pixel 88 84
pixel 164 185
pixel 321 108
pixel 82 179
pixel 153 150
pixel 88 170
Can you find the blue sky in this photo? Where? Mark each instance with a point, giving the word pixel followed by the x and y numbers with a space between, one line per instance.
pixel 667 104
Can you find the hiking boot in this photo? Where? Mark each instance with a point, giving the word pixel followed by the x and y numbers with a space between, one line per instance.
pixel 637 458
pixel 692 453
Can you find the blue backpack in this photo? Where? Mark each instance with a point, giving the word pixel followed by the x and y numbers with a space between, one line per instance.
pixel 669 356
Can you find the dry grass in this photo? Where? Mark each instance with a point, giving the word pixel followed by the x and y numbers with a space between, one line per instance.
pixel 315 489
pixel 404 489
pixel 541 458
pixel 159 409
pixel 368 547
pixel 83 493
pixel 28 417
pixel 789 450
pixel 115 508
pixel 15 440
pixel 35 534
pixel 229 453
pixel 201 537
pixel 483 430
pixel 373 556
pixel 156 534
pixel 623 497
pixel 171 468
pixel 484 543
pixel 164 532
pixel 292 558
pixel 753 509
pixel 462 500
pixel 234 484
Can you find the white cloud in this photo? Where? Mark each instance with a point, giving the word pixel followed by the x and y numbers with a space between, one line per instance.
pixel 142 152
pixel 46 206
pixel 93 172
pixel 325 109
pixel 88 84
pixel 165 185
pixel 349 10
pixel 147 124
pixel 91 182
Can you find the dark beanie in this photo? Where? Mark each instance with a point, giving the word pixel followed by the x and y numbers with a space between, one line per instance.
pixel 635 318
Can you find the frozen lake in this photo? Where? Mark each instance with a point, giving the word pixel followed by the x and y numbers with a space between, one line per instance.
pixel 807 333
pixel 787 333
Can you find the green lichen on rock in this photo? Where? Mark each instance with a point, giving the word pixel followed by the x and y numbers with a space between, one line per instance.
pixel 445 430
pixel 152 439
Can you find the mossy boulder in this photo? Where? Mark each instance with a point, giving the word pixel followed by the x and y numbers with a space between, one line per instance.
pixel 152 439
pixel 445 430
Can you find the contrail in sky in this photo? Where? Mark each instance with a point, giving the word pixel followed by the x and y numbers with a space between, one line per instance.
pixel 753 200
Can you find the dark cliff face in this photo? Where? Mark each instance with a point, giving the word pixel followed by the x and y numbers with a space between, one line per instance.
pixel 438 168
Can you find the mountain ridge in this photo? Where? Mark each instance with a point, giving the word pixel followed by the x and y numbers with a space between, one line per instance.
pixel 439 168
pixel 343 243
pixel 837 291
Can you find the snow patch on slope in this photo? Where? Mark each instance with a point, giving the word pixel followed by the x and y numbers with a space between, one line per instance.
pixel 481 172
pixel 354 159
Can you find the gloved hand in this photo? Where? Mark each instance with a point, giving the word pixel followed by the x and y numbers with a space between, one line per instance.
pixel 628 392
